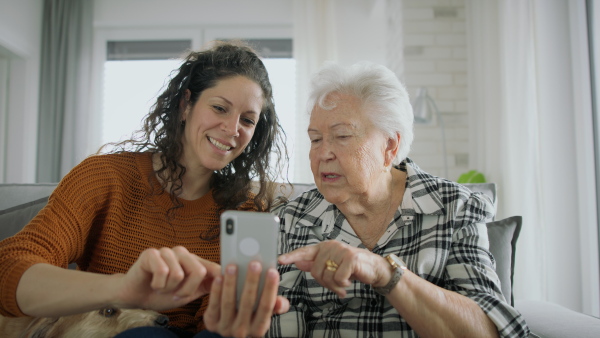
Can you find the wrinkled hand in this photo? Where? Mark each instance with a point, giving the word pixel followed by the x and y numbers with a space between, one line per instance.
pixel 222 315
pixel 352 264
pixel 166 278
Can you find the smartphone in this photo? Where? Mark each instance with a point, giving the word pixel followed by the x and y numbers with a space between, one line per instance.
pixel 248 236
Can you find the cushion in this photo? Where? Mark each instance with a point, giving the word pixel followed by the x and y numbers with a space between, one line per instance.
pixel 488 189
pixel 12 220
pixel 301 188
pixel 547 319
pixel 14 194
pixel 503 235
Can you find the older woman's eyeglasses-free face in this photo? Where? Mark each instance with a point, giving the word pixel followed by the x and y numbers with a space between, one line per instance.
pixel 347 151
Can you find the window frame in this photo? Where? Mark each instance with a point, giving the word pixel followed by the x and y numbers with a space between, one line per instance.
pixel 101 38
pixel 199 35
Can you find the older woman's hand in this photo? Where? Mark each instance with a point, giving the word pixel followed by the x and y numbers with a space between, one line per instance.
pixel 335 264
pixel 227 319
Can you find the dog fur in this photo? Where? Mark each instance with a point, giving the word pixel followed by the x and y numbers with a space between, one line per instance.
pixel 102 323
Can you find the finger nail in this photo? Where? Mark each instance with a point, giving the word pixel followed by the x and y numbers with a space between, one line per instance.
pixel 255 266
pixel 218 280
pixel 272 273
pixel 231 269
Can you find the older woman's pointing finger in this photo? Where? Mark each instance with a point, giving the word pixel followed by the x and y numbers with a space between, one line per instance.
pixel 335 265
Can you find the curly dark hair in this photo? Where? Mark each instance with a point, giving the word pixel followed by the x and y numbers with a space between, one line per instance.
pixel 162 131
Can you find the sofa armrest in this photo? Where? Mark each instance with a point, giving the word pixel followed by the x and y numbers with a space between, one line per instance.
pixel 551 320
pixel 14 194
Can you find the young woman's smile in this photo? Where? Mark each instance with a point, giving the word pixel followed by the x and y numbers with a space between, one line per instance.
pixel 221 123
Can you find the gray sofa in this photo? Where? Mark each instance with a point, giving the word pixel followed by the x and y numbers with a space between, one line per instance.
pixel 19 203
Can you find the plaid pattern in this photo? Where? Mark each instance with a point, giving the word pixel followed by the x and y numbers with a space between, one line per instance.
pixel 439 231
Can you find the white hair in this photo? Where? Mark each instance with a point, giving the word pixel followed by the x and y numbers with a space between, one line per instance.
pixel 384 98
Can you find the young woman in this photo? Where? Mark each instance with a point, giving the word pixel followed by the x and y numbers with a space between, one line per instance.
pixel 142 221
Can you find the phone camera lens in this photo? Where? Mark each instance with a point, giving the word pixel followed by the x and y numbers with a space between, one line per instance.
pixel 229 226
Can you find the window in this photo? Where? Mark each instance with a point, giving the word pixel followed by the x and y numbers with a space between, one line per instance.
pixel 130 89
pixel 134 74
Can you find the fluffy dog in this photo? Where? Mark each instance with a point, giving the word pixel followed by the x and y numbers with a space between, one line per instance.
pixel 102 323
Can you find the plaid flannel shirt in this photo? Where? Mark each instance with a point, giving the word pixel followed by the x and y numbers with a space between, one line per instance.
pixel 439 231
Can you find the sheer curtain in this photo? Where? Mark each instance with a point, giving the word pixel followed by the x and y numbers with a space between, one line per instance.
pixel 314 43
pixel 531 134
pixel 64 87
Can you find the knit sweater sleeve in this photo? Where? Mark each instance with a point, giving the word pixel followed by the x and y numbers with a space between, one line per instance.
pixel 57 235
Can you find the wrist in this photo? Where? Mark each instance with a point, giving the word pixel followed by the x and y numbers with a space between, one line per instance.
pixel 120 298
pixel 384 274
pixel 396 268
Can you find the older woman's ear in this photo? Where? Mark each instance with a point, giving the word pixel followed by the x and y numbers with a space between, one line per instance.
pixel 391 150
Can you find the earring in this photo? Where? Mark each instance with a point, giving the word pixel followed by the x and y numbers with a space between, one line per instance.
pixel 386 167
pixel 183 124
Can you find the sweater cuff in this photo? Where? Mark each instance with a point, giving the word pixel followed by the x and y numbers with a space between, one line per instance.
pixel 10 307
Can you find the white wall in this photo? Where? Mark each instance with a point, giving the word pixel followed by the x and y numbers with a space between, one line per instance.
pixel 179 13
pixel 20 44
pixel 435 57
pixel 360 31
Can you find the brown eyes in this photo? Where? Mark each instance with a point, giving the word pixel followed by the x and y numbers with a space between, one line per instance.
pixel 108 312
pixel 249 122
pixel 246 121
pixel 219 109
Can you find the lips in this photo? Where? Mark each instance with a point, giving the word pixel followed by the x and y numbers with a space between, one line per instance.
pixel 219 145
pixel 329 176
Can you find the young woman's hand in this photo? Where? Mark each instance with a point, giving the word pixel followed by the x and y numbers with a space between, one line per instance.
pixel 166 278
pixel 227 319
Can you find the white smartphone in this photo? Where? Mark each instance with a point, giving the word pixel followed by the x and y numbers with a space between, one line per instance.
pixel 248 236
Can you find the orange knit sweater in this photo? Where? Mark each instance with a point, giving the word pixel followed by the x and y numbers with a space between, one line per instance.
pixel 102 215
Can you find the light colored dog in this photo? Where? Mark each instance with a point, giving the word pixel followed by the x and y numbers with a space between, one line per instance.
pixel 102 323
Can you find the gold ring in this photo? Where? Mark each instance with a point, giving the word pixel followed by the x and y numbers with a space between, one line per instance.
pixel 331 265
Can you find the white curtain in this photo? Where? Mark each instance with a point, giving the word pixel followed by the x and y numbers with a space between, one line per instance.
pixel 64 87
pixel 530 135
pixel 395 38
pixel 314 43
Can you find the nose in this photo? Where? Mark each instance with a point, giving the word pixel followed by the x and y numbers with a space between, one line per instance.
pixel 161 320
pixel 231 126
pixel 325 151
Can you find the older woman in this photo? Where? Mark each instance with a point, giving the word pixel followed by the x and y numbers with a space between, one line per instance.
pixel 382 248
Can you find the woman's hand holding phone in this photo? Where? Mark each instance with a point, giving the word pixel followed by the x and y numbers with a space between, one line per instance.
pixel 244 298
pixel 224 317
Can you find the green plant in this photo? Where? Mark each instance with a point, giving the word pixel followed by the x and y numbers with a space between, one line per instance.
pixel 472 176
